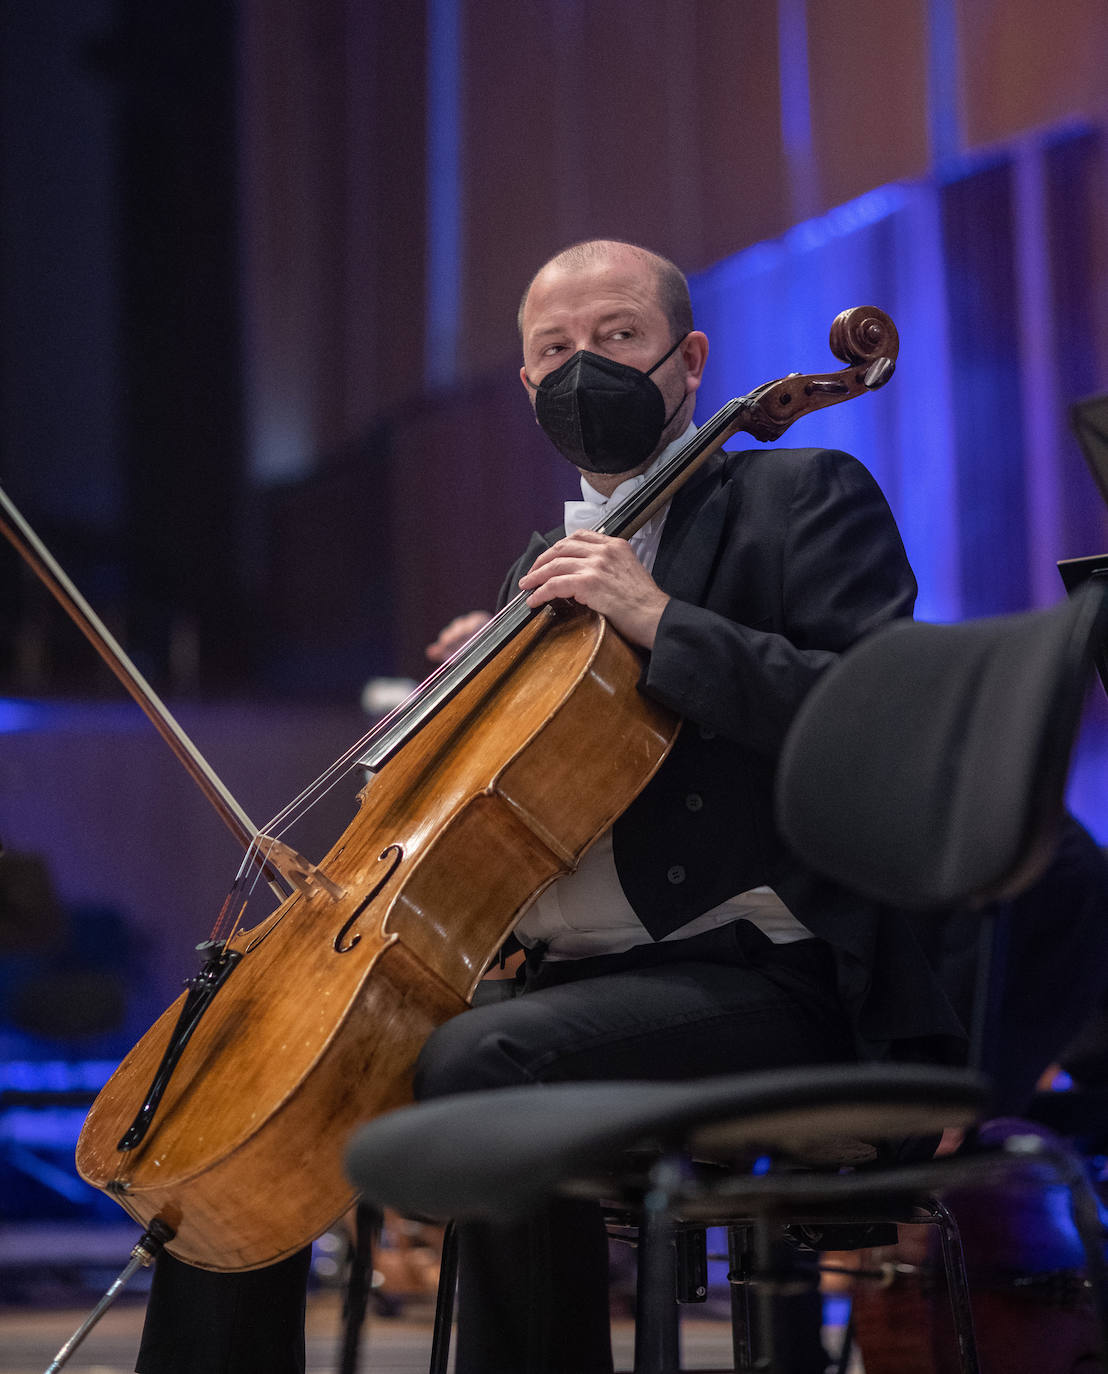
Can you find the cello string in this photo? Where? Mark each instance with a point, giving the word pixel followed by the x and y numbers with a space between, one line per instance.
pixel 477 648
pixel 469 655
pixel 481 646
pixel 474 649
pixel 472 653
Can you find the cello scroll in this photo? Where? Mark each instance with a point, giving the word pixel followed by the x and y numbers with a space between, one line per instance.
pixel 864 337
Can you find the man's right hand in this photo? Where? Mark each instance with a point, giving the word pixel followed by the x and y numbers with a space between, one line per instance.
pixel 450 639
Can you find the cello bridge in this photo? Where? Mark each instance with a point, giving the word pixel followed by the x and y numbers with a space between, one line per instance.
pixel 299 872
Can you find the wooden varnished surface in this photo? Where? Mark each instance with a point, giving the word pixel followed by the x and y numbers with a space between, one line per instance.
pixel 498 795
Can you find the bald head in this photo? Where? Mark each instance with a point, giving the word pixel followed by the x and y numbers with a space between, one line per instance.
pixel 672 290
pixel 619 302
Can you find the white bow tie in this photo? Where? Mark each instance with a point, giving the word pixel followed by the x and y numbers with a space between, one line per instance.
pixel 582 515
pixel 587 514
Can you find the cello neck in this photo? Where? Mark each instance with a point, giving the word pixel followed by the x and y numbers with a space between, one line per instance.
pixel 634 510
pixel 621 522
pixel 864 337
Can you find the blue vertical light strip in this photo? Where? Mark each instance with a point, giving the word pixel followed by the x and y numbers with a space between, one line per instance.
pixel 925 438
pixel 1039 391
pixel 444 190
pixel 943 99
pixel 796 105
pixel 765 310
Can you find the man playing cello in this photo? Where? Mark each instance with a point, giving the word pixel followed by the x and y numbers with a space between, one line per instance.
pixel 689 942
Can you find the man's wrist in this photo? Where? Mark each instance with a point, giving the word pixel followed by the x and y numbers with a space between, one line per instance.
pixel 648 626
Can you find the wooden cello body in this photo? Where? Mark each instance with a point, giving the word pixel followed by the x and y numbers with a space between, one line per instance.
pixel 319 1024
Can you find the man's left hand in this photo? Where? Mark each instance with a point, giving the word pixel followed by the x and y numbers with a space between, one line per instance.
pixel 602 573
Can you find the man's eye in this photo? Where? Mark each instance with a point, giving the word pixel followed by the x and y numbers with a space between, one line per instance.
pixel 551 349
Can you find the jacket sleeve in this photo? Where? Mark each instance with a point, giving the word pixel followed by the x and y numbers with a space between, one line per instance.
pixel 840 570
pixel 509 588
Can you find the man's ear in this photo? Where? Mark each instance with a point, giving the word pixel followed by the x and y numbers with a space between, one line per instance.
pixel 694 353
pixel 530 390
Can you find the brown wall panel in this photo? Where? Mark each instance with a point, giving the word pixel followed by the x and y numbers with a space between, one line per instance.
pixel 637 128
pixel 741 190
pixel 294 190
pixel 635 119
pixel 1026 64
pixel 868 78
pixel 519 114
pixel 393 142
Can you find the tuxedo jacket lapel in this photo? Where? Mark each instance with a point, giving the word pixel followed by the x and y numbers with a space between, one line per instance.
pixel 683 569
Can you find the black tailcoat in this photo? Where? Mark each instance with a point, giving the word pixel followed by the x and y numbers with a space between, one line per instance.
pixel 776 561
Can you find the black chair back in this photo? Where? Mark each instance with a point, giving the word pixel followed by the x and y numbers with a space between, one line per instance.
pixel 929 765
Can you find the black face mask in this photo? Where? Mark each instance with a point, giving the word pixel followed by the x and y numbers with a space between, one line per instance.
pixel 602 415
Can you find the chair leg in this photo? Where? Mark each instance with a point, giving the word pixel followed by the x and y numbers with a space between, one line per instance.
pixel 444 1301
pixel 738 1283
pixel 957 1287
pixel 691 1251
pixel 764 1278
pixel 846 1350
pixel 367 1221
pixel 656 1322
pixel 785 1316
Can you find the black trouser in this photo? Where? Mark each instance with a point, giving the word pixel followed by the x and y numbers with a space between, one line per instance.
pixel 200 1322
pixel 533 1298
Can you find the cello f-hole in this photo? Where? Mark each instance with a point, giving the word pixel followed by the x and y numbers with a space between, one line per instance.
pixel 398 853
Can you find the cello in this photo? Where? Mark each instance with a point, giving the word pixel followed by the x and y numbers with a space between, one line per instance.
pixel 225 1125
